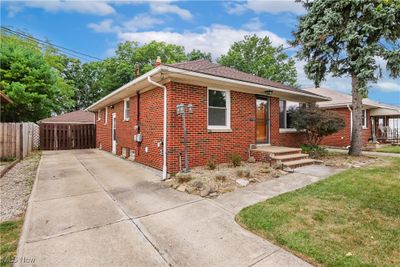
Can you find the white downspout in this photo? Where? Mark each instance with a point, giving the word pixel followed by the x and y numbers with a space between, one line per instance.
pixel 164 174
pixel 351 121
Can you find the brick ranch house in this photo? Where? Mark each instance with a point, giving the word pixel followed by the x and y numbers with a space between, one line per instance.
pixel 232 112
pixel 380 122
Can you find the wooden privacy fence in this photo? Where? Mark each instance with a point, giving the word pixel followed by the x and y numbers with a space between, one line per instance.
pixel 17 140
pixel 57 136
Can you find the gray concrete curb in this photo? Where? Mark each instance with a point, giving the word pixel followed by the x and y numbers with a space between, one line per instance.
pixel 9 167
pixel 25 227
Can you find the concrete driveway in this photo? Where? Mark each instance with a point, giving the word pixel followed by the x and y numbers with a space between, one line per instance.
pixel 90 208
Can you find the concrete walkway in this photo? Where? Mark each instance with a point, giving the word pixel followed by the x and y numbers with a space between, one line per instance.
pixel 366 153
pixel 90 208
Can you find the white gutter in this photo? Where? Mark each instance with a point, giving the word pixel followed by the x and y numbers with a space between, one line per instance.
pixel 164 175
pixel 351 121
pixel 123 87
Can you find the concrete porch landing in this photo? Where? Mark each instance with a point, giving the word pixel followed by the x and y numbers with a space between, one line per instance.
pixel 288 156
pixel 277 149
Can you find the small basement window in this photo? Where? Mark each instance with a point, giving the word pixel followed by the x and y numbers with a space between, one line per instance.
pixel 219 109
pixel 126 109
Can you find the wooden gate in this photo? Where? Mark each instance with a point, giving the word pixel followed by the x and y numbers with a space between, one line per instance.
pixel 54 136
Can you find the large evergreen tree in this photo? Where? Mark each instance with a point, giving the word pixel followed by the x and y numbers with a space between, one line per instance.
pixel 346 38
pixel 258 56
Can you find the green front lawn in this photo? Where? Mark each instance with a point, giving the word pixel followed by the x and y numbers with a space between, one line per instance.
pixel 389 149
pixel 349 219
pixel 9 236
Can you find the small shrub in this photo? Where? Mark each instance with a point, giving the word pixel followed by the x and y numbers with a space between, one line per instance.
pixel 198 184
pixel 314 151
pixel 7 159
pixel 243 173
pixel 220 177
pixel 236 159
pixel 316 123
pixel 183 178
pixel 211 165
pixel 251 160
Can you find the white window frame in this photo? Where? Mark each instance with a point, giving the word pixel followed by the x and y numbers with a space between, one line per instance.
pixel 106 116
pixel 228 110
pixel 126 100
pixel 99 115
pixel 364 121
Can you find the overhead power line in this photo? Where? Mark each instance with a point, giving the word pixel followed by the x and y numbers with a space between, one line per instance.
pixel 62 49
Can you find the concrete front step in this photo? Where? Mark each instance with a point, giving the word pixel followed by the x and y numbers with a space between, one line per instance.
pixel 289 157
pixel 299 163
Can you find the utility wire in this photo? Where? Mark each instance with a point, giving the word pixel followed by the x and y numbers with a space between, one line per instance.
pixel 67 51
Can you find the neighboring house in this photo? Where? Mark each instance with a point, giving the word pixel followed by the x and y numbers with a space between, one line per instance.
pixel 74 117
pixel 232 112
pixel 380 122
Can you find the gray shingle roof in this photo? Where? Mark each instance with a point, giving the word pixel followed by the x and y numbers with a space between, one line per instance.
pixel 207 67
pixel 78 116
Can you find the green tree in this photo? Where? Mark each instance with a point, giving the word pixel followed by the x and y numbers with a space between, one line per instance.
pixel 257 56
pixel 85 80
pixel 196 54
pixel 36 87
pixel 346 38
pixel 120 69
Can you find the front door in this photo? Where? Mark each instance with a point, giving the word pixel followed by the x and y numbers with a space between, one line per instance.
pixel 262 121
pixel 114 133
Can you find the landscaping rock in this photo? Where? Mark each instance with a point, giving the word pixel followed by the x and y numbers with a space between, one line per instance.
pixel 276 174
pixel 251 160
pixel 190 189
pixel 242 182
pixel 206 190
pixel 182 188
pixel 282 172
pixel 288 169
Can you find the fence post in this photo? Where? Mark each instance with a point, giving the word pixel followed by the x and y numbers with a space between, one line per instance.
pixel 21 140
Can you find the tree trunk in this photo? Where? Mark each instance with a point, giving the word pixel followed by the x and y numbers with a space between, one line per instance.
pixel 356 135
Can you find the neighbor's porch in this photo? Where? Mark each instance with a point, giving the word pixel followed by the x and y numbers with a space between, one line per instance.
pixel 385 128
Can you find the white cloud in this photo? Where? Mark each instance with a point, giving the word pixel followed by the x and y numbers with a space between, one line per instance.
pixel 104 26
pixel 139 22
pixel 142 21
pixel 164 7
pixel 215 39
pixel 343 84
pixel 253 25
pixel 84 7
pixel 388 86
pixel 265 6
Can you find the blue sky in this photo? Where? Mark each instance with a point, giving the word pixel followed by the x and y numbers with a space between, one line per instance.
pixel 96 27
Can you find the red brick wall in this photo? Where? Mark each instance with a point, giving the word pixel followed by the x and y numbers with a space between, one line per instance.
pixel 151 117
pixel 343 137
pixel 202 143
